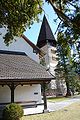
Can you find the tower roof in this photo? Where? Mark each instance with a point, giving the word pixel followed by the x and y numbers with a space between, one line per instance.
pixel 45 34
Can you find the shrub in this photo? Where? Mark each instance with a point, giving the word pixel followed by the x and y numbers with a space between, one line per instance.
pixel 12 112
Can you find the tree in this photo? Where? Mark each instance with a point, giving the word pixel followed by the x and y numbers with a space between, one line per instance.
pixel 76 59
pixel 66 68
pixel 76 56
pixel 68 12
pixel 17 15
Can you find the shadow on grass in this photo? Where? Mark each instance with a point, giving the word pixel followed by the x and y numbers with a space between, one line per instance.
pixel 55 99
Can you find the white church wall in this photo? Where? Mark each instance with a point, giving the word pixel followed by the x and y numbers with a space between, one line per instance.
pixel 51 62
pixel 28 93
pixel 50 57
pixel 21 93
pixel 19 45
pixel 45 49
pixel 5 94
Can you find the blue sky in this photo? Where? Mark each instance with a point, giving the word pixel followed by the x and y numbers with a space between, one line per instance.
pixel 33 32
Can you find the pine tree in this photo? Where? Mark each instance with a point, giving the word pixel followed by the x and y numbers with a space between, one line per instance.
pixel 65 68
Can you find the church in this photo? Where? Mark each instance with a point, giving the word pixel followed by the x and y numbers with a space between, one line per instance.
pixel 47 43
pixel 21 74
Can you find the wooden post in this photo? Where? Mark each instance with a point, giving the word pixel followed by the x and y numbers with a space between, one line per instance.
pixel 44 98
pixel 12 92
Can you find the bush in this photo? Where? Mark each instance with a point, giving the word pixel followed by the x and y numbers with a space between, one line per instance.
pixel 12 112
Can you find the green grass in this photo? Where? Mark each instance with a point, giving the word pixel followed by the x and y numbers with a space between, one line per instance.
pixel 57 99
pixel 71 112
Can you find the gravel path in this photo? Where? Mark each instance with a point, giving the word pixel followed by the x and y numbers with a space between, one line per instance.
pixel 52 106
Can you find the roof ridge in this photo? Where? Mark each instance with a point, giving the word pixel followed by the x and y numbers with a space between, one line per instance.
pixel 12 52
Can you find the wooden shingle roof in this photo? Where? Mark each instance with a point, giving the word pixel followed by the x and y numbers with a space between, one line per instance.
pixel 18 66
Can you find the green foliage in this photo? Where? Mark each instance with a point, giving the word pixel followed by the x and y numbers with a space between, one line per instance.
pixel 68 13
pixel 12 112
pixel 17 15
pixel 42 61
pixel 65 69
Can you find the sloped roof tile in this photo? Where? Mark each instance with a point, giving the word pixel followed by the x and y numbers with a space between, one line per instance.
pixel 17 65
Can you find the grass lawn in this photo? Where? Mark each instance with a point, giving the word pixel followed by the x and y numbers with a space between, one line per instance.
pixel 57 99
pixel 71 112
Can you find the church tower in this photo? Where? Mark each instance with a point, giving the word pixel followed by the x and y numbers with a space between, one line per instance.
pixel 47 43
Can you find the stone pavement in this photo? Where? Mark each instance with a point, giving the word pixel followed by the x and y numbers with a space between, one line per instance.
pixel 52 106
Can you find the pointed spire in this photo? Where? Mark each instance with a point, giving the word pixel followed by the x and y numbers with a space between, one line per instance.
pixel 45 34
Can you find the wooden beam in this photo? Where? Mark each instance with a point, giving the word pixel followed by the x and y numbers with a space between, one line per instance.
pixel 12 87
pixel 44 98
pixel 12 93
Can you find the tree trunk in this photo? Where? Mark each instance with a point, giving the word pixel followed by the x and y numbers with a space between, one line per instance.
pixel 68 93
